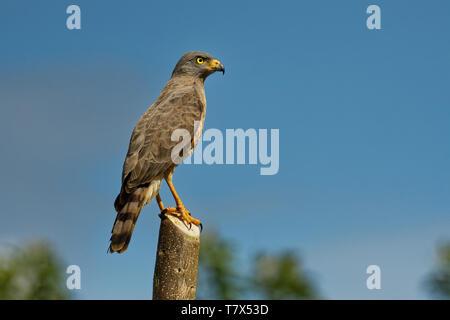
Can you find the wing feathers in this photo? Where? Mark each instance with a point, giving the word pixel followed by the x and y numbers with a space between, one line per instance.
pixel 149 153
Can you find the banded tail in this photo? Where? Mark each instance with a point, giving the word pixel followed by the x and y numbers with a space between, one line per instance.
pixel 128 207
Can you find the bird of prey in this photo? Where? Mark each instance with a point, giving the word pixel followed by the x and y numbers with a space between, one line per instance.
pixel 181 103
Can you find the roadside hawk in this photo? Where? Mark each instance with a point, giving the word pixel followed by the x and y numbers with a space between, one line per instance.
pixel 149 160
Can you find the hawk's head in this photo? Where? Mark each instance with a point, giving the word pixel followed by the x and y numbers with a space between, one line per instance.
pixel 197 64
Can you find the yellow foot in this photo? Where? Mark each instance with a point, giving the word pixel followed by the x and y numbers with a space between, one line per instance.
pixel 184 215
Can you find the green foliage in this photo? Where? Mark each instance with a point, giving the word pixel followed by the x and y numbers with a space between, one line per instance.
pixel 216 262
pixel 222 276
pixel 281 277
pixel 31 272
pixel 439 280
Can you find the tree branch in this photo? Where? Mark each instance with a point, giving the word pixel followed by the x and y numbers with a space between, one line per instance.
pixel 176 265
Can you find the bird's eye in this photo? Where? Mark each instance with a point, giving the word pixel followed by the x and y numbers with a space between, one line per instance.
pixel 200 60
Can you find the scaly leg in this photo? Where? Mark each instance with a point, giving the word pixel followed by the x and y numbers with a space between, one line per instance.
pixel 180 210
pixel 160 203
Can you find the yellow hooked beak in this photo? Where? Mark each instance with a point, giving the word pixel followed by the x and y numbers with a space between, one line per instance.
pixel 216 66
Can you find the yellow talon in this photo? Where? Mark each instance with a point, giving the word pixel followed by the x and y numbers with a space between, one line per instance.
pixel 183 214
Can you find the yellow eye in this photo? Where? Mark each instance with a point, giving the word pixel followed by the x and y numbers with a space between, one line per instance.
pixel 200 60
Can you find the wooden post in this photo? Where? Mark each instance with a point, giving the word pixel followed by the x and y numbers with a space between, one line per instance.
pixel 176 264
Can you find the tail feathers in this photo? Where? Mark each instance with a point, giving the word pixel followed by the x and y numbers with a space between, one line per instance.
pixel 126 220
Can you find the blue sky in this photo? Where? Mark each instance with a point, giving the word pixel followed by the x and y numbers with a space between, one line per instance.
pixel 363 116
